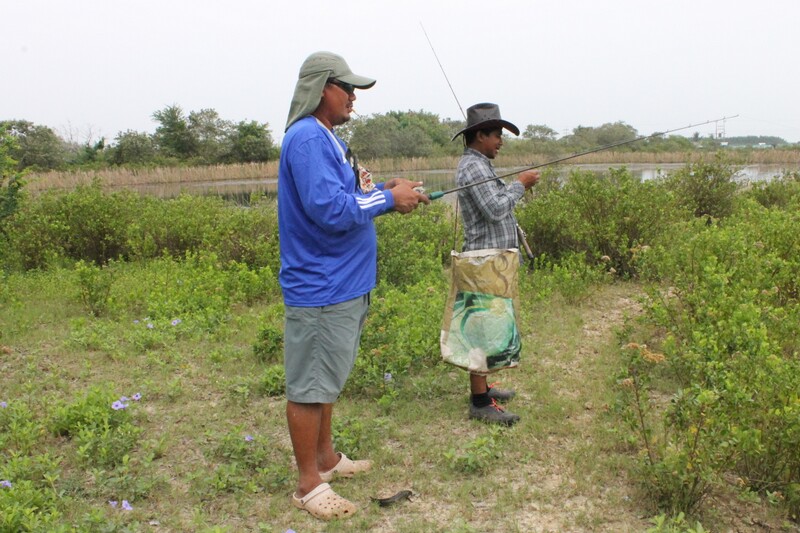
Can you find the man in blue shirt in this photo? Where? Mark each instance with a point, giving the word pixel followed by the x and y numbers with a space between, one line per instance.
pixel 328 246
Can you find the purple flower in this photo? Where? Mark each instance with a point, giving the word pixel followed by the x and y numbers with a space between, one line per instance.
pixel 290 531
pixel 248 438
pixel 5 483
pixel 176 321
pixel 136 321
pixel 126 505
pixel 118 405
pixel 387 377
pixel 3 405
pixel 137 396
pixel 150 325
pixel 112 503
pixel 124 399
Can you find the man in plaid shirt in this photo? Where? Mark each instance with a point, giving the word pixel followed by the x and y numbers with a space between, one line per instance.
pixel 488 212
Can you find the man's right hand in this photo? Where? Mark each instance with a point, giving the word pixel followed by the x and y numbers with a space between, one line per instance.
pixel 529 178
pixel 407 199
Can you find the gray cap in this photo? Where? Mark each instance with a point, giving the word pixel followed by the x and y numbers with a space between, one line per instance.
pixel 318 68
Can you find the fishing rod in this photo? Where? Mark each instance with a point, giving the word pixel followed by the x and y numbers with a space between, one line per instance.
pixel 439 194
pixel 443 72
pixel 433 196
pixel 521 233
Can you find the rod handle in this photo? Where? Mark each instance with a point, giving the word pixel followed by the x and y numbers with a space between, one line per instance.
pixel 435 195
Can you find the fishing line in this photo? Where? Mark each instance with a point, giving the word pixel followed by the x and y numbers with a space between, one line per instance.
pixel 443 72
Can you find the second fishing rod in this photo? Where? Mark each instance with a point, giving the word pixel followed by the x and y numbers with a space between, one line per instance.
pixel 438 194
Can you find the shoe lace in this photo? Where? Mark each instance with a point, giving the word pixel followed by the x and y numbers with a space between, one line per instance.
pixel 497 406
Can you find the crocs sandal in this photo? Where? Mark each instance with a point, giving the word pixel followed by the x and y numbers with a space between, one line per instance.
pixel 346 468
pixel 325 504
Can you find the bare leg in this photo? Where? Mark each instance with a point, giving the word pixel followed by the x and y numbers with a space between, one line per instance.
pixel 477 384
pixel 305 423
pixel 326 456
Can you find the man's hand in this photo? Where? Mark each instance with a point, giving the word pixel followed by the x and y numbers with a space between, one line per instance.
pixel 406 199
pixel 529 178
pixel 394 182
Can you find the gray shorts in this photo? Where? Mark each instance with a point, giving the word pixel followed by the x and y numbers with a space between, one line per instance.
pixel 320 348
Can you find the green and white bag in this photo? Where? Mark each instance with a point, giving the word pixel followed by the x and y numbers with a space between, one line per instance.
pixel 479 329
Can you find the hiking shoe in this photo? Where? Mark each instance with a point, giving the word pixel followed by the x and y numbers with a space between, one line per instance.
pixel 501 395
pixel 493 414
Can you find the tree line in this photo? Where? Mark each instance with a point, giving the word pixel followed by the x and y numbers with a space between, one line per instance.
pixel 204 138
pixel 199 138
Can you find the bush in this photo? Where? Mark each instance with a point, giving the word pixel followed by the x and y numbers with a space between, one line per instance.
pixel 11 182
pixel 707 189
pixel 401 334
pixel 781 192
pixel 604 218
pixel 248 236
pixel 268 347
pixel 730 324
pixel 90 225
pixel 411 247
pixel 94 285
pixel 173 227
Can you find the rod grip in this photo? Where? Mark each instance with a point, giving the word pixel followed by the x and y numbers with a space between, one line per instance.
pixel 435 195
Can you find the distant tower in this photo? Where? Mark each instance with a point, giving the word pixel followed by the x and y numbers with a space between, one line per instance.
pixel 720 129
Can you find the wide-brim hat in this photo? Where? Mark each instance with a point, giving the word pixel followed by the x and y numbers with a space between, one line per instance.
pixel 486 116
pixel 317 69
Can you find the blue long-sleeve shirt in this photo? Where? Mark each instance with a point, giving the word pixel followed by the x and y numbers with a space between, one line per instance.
pixel 328 244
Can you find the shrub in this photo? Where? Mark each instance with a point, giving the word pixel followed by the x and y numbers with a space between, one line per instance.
pixel 11 182
pixel 730 333
pixel 90 225
pixel 247 235
pixel 94 286
pixel 401 334
pixel 35 234
pixel 601 217
pixel 272 381
pixel 173 227
pixel 412 247
pixel 781 192
pixel 707 189
pixel 268 347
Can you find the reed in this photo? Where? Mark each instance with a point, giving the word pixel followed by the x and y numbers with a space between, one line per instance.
pixel 111 178
pixel 222 175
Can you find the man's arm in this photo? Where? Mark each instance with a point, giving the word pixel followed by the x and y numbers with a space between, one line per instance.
pixel 494 202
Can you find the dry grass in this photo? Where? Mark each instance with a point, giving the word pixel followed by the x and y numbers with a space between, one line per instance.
pixel 122 177
pixel 230 175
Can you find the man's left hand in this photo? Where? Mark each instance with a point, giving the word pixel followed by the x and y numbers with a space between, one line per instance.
pixel 394 182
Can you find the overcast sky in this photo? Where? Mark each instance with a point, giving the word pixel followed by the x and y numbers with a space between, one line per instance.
pixel 92 68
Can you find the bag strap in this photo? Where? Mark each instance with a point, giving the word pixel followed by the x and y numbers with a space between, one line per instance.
pixel 455 224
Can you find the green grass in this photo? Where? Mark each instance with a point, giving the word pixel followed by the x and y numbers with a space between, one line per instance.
pixel 562 468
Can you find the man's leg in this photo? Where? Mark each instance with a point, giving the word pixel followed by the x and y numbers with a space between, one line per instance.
pixel 326 456
pixel 305 423
pixel 477 384
pixel 483 407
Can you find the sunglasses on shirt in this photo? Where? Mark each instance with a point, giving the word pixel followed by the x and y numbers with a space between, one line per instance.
pixel 346 87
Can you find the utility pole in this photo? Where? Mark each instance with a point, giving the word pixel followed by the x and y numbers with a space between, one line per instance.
pixel 720 128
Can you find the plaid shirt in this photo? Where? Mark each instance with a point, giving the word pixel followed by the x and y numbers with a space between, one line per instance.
pixel 488 208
